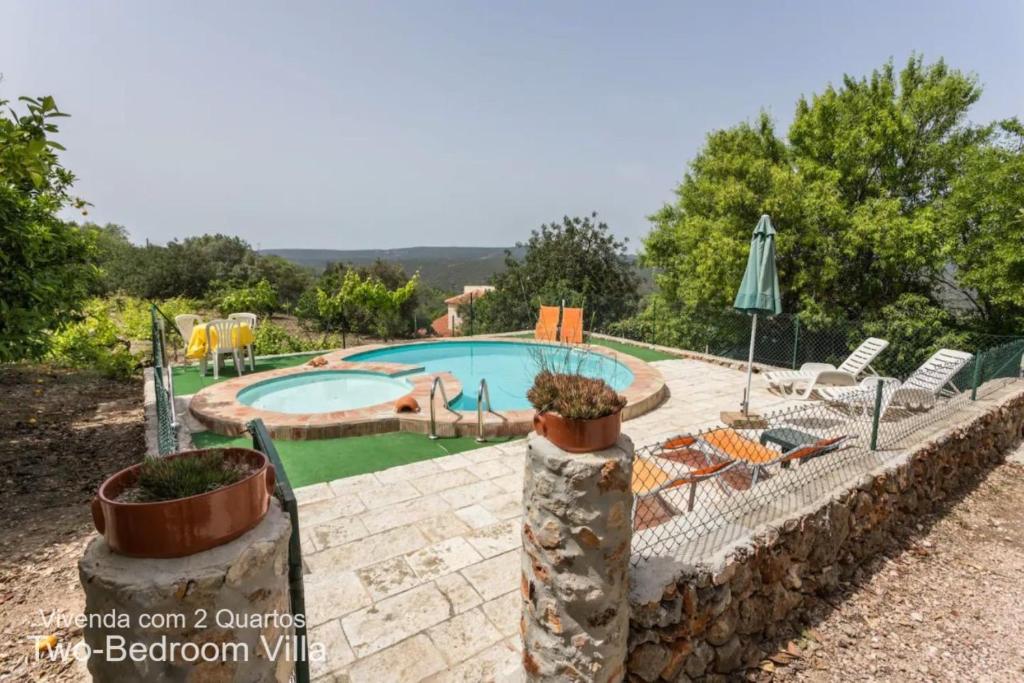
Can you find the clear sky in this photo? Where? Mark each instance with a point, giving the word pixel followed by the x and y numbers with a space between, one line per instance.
pixel 385 124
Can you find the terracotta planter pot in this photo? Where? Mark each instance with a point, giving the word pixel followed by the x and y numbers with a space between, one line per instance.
pixel 174 528
pixel 579 436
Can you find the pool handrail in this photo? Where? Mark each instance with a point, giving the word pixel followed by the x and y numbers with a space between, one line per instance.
pixel 482 394
pixel 433 421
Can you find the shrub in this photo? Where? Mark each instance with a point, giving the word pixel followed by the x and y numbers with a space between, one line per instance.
pixel 260 298
pixel 573 396
pixel 173 478
pixel 94 343
pixel 273 339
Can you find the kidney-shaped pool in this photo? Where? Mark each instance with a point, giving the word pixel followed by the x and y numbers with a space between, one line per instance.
pixel 508 367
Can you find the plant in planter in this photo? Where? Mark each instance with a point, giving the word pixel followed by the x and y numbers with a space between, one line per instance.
pixel 578 414
pixel 184 503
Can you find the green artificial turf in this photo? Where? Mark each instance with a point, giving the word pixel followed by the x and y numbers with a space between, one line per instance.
pixel 187 380
pixel 311 462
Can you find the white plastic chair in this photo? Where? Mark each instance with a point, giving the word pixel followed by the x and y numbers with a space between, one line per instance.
pixel 920 390
pixel 250 320
pixel 223 346
pixel 186 322
pixel 812 375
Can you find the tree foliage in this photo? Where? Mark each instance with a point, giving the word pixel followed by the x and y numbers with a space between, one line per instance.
pixel 578 261
pixel 363 303
pixel 46 265
pixel 879 186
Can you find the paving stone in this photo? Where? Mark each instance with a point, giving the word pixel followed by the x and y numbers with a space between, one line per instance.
pixel 495 576
pixel 491 469
pixel 469 494
pixel 463 635
pixel 404 472
pixel 484 454
pixel 312 494
pixel 452 462
pixel 338 654
pixel 497 538
pixel 458 591
pixel 500 663
pixel 347 485
pixel 336 532
pixel 394 619
pixel 321 511
pixel 389 577
pixel 331 594
pixel 445 480
pixel 504 612
pixel 368 550
pixel 505 505
pixel 510 483
pixel 442 558
pixel 409 512
pixel 407 662
pixel 476 516
pixel 445 525
pixel 387 495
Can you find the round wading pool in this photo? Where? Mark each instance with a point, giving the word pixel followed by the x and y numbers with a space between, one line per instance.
pixel 323 391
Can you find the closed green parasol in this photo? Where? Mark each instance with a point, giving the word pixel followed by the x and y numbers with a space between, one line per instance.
pixel 759 292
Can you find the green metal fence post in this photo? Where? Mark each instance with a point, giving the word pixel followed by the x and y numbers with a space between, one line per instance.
pixel 262 442
pixel 796 339
pixel 876 416
pixel 977 375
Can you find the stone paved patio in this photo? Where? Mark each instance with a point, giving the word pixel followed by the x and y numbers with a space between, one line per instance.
pixel 413 571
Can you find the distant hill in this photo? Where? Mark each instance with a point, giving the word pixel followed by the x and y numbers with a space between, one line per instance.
pixel 447 268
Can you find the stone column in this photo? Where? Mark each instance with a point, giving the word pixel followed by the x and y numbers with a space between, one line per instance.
pixel 575 582
pixel 212 616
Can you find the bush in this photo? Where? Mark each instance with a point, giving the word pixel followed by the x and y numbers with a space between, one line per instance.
pixel 915 329
pixel 573 396
pixel 93 343
pixel 261 298
pixel 271 339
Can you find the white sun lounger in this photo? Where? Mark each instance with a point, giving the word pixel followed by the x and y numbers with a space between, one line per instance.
pixel 919 391
pixel 813 375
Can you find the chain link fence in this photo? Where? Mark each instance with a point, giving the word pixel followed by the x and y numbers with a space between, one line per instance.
pixel 698 491
pixel 166 420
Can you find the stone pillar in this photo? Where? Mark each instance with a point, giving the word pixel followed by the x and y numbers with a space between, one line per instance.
pixel 575 582
pixel 212 616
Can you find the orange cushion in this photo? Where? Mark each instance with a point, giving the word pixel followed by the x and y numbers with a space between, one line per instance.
pixel 740 447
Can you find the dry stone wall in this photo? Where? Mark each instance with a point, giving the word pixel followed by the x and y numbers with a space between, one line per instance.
pixel 715 620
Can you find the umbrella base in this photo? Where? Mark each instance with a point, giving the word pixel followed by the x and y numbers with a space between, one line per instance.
pixel 737 420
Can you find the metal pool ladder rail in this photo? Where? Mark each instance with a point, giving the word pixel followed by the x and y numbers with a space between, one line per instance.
pixel 433 422
pixel 483 394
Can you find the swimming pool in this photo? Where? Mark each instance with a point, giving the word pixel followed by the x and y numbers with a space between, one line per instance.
pixel 323 391
pixel 508 367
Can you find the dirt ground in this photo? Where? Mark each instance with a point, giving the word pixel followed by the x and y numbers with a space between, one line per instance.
pixel 948 605
pixel 61 434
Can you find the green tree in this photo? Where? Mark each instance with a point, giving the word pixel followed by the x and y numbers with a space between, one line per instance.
pixel 260 298
pixel 46 265
pixel 361 303
pixel 578 261
pixel 861 193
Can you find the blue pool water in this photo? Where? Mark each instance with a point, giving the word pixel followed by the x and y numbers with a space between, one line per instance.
pixel 324 391
pixel 508 367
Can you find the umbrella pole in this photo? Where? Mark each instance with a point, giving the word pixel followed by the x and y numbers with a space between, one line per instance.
pixel 750 367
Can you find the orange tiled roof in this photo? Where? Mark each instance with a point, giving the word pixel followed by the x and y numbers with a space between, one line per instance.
pixel 464 297
pixel 441 327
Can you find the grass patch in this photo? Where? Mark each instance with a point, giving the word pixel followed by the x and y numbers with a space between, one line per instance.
pixel 187 380
pixel 311 462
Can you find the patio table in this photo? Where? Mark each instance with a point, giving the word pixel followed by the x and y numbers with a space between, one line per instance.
pixel 241 337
